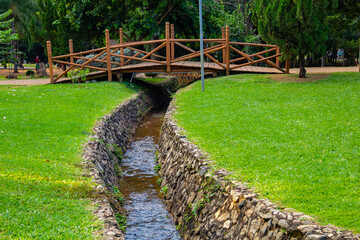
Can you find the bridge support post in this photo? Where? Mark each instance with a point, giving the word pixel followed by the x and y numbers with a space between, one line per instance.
pixel 71 50
pixel 223 36
pixel 108 55
pixel 121 33
pixel 172 33
pixel 277 58
pixel 168 53
pixel 51 70
pixel 287 66
pixel 227 36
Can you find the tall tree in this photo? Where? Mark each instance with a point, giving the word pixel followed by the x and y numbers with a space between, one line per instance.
pixel 298 27
pixel 7 36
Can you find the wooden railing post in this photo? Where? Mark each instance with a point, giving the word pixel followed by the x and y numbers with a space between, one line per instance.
pixel 168 53
pixel 227 36
pixel 172 43
pixel 287 65
pixel 121 33
pixel 71 50
pixel 108 55
pixel 277 58
pixel 51 70
pixel 223 36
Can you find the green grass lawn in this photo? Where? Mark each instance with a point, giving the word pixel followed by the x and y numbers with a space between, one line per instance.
pixel 43 194
pixel 297 144
pixel 32 65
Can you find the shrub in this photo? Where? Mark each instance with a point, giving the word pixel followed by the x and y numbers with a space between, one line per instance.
pixel 78 75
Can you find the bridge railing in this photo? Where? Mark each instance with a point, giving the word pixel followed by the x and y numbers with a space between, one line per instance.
pixel 229 55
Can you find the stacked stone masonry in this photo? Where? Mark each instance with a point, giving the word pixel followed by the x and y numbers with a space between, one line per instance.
pixel 112 136
pixel 205 205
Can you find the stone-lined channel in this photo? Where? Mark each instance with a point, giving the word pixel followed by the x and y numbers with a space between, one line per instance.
pixel 147 217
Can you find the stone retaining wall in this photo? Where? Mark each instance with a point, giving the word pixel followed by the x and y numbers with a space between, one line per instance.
pixel 102 157
pixel 207 206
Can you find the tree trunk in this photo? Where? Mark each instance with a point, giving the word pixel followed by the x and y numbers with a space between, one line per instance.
pixel 244 9
pixel 16 68
pixel 302 71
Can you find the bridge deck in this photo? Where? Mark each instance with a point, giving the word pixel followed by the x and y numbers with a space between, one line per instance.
pixel 184 66
pixel 190 66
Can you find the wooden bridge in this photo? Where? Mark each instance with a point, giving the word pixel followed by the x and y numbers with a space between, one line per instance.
pixel 170 55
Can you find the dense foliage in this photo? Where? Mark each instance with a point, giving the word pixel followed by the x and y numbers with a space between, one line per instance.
pixel 85 21
pixel 344 31
pixel 310 27
pixel 7 36
pixel 298 27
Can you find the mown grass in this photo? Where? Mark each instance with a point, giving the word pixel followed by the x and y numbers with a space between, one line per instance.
pixel 43 194
pixel 294 143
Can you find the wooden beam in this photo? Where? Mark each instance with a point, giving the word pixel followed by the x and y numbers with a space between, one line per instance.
pixel 172 36
pixel 196 54
pixel 51 70
pixel 253 44
pixel 277 59
pixel 256 55
pixel 223 35
pixel 71 50
pixel 206 54
pixel 227 49
pixel 132 44
pixel 287 65
pixel 142 51
pixel 257 61
pixel 154 50
pixel 108 55
pixel 185 47
pixel 252 55
pixel 215 61
pixel 80 53
pixel 112 52
pixel 168 56
pixel 271 63
pixel 198 40
pixel 82 65
pixel 242 54
pixel 129 60
pixel 139 59
pixel 79 65
pixel 121 33
pixel 65 72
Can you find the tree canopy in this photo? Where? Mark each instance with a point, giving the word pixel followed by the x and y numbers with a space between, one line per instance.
pixel 298 27
pixel 7 36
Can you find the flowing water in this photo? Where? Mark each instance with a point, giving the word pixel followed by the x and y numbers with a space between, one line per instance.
pixel 147 217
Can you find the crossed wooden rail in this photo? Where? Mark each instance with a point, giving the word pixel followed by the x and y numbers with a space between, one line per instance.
pixel 169 60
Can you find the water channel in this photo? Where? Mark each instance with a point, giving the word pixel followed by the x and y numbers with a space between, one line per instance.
pixel 147 217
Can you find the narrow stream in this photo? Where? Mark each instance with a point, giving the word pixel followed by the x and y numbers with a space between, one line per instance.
pixel 147 217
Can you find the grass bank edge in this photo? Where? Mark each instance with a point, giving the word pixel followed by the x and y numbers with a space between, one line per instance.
pixel 42 140
pixel 192 107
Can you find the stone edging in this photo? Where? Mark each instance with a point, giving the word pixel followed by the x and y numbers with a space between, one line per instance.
pixel 112 136
pixel 207 206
